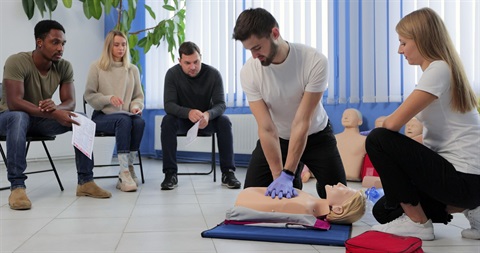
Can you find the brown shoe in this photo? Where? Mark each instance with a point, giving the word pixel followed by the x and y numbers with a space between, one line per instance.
pixel 18 200
pixel 90 189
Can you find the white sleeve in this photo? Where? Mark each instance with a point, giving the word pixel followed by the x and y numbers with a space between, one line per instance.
pixel 318 76
pixel 436 79
pixel 249 82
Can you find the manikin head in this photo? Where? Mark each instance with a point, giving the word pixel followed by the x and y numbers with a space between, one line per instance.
pixel 413 128
pixel 347 204
pixel 352 118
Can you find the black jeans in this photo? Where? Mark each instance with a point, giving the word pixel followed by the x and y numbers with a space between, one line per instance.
pixel 172 126
pixel 412 173
pixel 320 155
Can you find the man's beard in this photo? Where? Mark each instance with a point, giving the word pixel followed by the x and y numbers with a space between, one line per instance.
pixel 273 52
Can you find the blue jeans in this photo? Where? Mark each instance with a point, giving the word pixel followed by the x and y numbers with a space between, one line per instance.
pixel 128 130
pixel 172 126
pixel 16 125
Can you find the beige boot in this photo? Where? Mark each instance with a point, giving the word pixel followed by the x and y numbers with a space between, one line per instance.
pixel 91 189
pixel 125 182
pixel 18 200
pixel 132 173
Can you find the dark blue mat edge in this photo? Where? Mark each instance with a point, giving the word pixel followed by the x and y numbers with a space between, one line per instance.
pixel 336 236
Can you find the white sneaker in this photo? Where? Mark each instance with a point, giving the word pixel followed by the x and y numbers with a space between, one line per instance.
pixel 132 173
pixel 125 182
pixel 473 217
pixel 404 226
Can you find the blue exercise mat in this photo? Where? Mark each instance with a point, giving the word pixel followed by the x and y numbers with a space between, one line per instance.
pixel 336 236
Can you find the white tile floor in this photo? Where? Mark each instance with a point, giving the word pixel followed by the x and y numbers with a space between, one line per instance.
pixel 151 220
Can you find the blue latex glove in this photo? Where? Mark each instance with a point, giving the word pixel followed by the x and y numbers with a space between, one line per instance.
pixel 365 133
pixel 282 187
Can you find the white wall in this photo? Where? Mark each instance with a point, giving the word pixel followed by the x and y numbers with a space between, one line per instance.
pixel 84 45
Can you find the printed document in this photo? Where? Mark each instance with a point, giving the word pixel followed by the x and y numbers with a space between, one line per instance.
pixel 83 135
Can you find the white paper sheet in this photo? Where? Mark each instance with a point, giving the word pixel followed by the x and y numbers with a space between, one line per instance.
pixel 83 135
pixel 192 133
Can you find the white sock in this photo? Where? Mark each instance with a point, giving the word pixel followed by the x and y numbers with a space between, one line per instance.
pixel 123 161
pixel 131 157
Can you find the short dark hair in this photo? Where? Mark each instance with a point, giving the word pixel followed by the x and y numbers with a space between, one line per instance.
pixel 188 48
pixel 258 22
pixel 43 28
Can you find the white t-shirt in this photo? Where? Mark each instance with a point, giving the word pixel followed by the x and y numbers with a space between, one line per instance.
pixel 453 135
pixel 281 86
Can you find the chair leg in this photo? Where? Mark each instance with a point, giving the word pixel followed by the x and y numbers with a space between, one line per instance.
pixel 53 165
pixel 213 159
pixel 117 164
pixel 5 162
pixel 34 172
pixel 141 165
pixel 3 155
pixel 213 166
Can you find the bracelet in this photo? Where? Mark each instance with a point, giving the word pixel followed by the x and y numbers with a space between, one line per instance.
pixel 288 172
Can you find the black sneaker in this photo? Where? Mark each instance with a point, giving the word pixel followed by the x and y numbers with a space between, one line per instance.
pixel 229 180
pixel 170 181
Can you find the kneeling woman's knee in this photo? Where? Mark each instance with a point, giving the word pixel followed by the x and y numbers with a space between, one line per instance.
pixel 376 135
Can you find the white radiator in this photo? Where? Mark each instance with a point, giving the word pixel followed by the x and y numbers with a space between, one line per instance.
pixel 245 136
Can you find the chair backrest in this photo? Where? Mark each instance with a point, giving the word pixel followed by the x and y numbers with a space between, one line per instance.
pixel 90 111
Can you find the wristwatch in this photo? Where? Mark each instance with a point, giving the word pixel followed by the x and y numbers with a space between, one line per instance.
pixel 288 172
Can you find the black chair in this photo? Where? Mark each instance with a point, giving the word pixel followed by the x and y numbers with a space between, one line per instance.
pixel 43 139
pixel 213 161
pixel 103 134
pixel 30 139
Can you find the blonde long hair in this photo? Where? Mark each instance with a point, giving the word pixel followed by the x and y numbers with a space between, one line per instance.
pixel 106 59
pixel 353 210
pixel 427 29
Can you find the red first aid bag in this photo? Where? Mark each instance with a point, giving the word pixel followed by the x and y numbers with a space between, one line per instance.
pixel 367 168
pixel 381 242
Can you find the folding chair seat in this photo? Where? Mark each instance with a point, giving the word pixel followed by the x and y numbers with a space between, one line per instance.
pixel 103 134
pixel 30 139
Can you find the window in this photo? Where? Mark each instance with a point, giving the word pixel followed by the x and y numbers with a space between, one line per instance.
pixel 358 37
pixel 209 23
pixel 370 70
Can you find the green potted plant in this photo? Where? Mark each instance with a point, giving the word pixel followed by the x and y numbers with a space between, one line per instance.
pixel 170 30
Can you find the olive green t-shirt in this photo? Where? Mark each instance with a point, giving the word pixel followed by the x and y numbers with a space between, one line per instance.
pixel 20 67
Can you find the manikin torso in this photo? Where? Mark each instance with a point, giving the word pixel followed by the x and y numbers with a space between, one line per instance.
pixel 351 144
pixel 254 198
